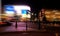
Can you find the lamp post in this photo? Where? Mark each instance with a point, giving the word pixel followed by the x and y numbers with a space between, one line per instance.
pixel 15 15
pixel 26 20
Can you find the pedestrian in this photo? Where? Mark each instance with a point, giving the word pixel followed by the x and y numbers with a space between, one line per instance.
pixel 39 24
pixel 39 21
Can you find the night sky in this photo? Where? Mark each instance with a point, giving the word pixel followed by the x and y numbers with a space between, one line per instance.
pixel 35 5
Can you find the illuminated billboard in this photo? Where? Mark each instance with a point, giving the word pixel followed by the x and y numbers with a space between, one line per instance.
pixel 10 10
pixel 19 9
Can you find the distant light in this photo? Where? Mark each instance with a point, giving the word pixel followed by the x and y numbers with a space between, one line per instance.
pixel 22 7
pixel 32 14
pixel 28 16
pixel 54 10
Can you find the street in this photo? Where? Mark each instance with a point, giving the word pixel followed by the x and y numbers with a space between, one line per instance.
pixel 21 30
pixel 21 26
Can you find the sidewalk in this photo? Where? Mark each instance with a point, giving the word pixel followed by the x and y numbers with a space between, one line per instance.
pixel 21 26
pixel 12 29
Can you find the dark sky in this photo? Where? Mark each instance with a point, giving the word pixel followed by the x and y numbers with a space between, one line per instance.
pixel 35 5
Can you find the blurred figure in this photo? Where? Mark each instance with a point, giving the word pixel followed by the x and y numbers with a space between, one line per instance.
pixel 39 20
pixel 43 16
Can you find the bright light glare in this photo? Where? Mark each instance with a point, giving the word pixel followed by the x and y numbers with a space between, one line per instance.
pixel 19 8
pixel 16 7
pixel 9 12
pixel 26 16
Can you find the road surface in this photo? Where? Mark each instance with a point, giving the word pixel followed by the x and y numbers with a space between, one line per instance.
pixel 21 26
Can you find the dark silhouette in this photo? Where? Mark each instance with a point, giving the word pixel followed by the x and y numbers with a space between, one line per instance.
pixel 44 19
pixel 39 24
pixel 16 18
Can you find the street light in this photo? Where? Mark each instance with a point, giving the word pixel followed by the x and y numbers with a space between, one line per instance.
pixel 26 20
pixel 15 16
pixel 28 12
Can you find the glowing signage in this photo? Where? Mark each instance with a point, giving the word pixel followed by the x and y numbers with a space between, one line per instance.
pixel 9 9
pixel 24 11
pixel 19 9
